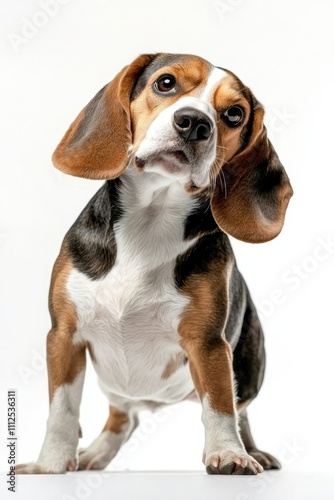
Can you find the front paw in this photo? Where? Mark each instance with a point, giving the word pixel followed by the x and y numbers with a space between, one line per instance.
pixel 39 468
pixel 30 468
pixel 231 462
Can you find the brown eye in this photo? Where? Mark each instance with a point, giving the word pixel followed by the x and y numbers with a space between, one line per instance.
pixel 233 116
pixel 165 83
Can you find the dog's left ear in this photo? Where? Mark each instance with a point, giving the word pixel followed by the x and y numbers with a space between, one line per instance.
pixel 252 190
pixel 96 145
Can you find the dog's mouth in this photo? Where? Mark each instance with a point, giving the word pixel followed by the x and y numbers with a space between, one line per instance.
pixel 173 162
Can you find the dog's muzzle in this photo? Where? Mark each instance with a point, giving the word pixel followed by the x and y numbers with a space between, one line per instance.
pixel 180 143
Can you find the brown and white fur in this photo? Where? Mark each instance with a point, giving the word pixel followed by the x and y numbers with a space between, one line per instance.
pixel 146 279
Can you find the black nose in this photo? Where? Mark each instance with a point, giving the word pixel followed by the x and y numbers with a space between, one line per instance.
pixel 192 124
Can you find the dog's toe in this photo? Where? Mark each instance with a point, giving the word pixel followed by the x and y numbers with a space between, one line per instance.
pixel 233 464
pixel 41 468
pixel 30 468
pixel 101 451
pixel 267 461
pixel 231 469
pixel 90 460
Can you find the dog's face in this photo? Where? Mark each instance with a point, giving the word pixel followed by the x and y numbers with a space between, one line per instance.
pixel 188 119
pixel 184 118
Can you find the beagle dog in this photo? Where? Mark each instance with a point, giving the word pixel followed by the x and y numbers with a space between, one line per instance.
pixel 146 280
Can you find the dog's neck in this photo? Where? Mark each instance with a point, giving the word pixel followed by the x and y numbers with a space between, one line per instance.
pixel 151 229
pixel 164 200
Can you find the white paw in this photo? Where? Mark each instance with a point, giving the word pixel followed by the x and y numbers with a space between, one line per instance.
pixel 224 452
pixel 30 468
pixel 231 462
pixel 92 461
pixel 102 450
pixel 40 468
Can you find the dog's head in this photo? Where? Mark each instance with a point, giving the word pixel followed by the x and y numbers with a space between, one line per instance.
pixel 182 117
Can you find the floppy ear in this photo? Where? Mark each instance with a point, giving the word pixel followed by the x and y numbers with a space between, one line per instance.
pixel 97 142
pixel 252 190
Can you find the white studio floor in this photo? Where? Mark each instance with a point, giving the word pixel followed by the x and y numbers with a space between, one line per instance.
pixel 173 486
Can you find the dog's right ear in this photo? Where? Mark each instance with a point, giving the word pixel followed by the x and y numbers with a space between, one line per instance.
pixel 96 146
pixel 252 202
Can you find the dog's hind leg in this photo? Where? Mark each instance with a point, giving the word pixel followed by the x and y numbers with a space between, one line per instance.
pixel 119 427
pixel 249 364
pixel 265 459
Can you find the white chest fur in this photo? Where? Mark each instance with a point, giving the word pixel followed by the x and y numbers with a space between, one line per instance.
pixel 131 316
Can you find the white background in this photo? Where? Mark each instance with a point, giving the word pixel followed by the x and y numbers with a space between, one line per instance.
pixel 284 52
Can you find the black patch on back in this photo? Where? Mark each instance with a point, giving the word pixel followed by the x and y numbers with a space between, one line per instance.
pixel 91 240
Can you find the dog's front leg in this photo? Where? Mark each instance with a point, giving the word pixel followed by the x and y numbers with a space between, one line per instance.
pixel 224 452
pixel 210 360
pixel 66 361
pixel 66 368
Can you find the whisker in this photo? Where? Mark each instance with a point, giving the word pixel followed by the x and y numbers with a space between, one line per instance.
pixel 208 207
pixel 222 175
pixel 130 153
pixel 218 160
pixel 129 158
